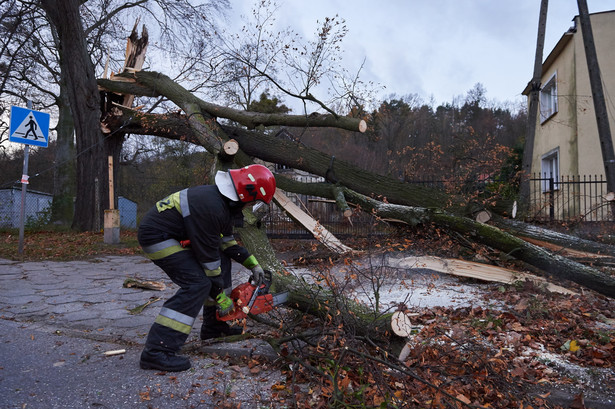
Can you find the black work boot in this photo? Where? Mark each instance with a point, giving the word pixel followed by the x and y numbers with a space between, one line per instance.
pixel 212 328
pixel 163 360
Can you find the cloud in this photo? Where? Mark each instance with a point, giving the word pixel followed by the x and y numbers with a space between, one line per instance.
pixel 439 48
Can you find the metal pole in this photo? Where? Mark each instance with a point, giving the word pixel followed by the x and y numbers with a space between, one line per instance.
pixel 24 188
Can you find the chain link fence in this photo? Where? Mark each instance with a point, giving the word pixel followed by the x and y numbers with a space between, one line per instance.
pixel 38 208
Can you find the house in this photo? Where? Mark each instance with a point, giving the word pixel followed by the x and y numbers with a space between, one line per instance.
pixel 566 140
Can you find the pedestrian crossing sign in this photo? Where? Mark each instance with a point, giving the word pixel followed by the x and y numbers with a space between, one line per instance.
pixel 29 127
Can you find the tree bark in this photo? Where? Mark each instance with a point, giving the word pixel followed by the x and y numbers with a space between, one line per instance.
pixel 64 172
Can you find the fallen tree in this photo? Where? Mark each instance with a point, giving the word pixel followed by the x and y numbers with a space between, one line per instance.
pixel 383 196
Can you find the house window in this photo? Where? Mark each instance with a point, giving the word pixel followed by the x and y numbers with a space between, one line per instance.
pixel 550 170
pixel 548 99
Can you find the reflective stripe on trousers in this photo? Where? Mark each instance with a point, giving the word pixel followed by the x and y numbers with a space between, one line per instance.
pixel 175 320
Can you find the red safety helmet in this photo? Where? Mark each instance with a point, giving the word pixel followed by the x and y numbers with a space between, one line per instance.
pixel 253 182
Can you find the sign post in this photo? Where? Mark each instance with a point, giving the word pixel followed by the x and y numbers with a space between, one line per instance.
pixel 24 188
pixel 30 128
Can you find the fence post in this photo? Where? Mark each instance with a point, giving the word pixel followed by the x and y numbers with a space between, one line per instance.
pixel 551 199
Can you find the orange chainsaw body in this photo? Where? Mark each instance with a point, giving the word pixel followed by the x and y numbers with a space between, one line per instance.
pixel 241 296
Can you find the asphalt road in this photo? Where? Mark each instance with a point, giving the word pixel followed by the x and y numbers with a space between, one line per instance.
pixel 57 319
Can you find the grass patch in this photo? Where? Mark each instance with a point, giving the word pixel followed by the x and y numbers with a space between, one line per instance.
pixel 63 246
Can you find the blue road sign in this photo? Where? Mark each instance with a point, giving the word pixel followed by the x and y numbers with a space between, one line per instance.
pixel 29 127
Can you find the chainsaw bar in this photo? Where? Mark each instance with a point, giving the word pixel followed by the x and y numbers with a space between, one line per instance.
pixel 280 298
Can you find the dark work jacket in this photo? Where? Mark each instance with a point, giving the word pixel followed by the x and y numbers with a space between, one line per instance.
pixel 202 215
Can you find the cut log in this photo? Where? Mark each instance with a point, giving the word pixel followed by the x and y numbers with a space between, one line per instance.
pixel 229 150
pixel 483 216
pixel 401 324
pixel 341 202
pixel 479 271
pixel 316 229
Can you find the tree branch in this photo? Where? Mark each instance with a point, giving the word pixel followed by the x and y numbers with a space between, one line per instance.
pixel 146 84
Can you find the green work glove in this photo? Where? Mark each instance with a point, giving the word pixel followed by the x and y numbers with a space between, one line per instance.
pixel 224 304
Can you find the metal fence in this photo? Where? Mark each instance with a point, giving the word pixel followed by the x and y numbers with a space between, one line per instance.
pixel 570 198
pixel 562 199
pixel 326 213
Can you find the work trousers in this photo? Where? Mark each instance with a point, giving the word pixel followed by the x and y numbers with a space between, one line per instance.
pixel 178 314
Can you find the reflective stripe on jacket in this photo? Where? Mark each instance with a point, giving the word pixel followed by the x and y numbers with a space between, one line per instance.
pixel 199 214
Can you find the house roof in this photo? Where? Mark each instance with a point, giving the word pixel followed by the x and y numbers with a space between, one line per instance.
pixel 557 50
pixel 18 189
pixel 559 47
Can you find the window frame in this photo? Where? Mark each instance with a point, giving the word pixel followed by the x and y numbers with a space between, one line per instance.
pixel 548 99
pixel 549 167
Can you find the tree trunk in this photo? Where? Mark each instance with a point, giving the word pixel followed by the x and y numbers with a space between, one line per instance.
pixel 553 264
pixel 64 172
pixel 521 229
pixel 253 236
pixel 285 152
pixel 78 72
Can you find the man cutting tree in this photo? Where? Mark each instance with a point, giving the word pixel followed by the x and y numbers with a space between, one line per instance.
pixel 203 215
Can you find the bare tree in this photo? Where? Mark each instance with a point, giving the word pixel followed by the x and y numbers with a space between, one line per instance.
pixel 261 58
pixel 34 58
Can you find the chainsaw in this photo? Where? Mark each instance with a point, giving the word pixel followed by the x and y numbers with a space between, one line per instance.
pixel 253 298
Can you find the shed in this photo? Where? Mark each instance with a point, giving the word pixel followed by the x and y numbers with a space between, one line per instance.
pixel 128 213
pixel 37 209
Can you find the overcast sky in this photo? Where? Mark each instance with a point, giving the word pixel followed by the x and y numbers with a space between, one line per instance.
pixel 438 48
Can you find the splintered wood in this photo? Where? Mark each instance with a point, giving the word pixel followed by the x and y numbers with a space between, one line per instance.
pixel 478 271
pixel 318 230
